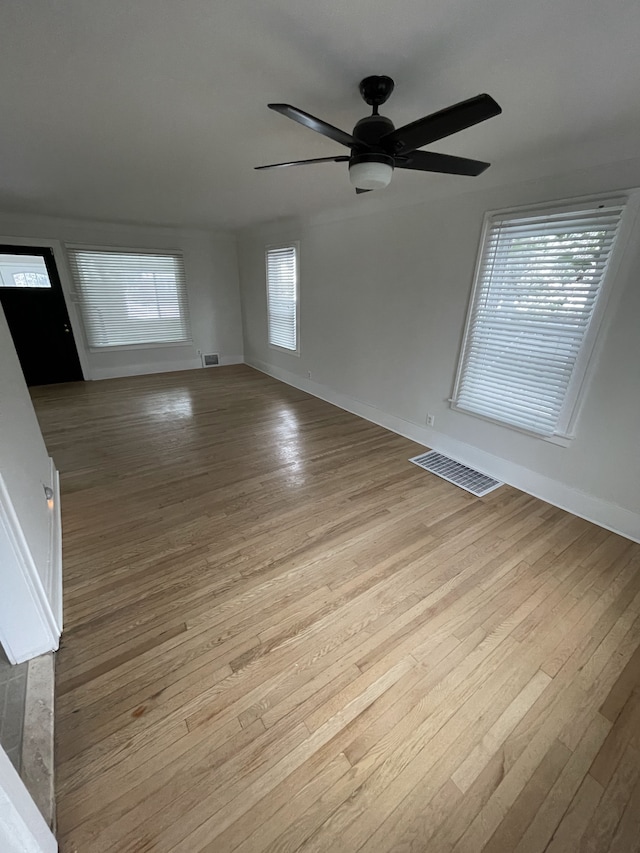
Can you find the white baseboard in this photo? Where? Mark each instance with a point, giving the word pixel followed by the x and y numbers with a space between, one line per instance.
pixel 611 516
pixel 161 367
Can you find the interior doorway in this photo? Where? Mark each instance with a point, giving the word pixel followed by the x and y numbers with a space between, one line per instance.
pixel 33 302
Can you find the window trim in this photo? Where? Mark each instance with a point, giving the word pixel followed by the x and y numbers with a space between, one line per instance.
pixel 287 244
pixel 156 345
pixel 76 295
pixel 151 250
pixel 583 369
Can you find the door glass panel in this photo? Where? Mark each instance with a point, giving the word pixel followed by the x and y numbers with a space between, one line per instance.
pixel 27 271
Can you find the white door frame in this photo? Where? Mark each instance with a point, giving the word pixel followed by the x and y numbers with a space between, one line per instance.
pixel 22 827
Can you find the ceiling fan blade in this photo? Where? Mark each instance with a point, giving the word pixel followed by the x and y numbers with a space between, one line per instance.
pixel 304 162
pixel 443 123
pixel 429 161
pixel 314 123
pixel 359 191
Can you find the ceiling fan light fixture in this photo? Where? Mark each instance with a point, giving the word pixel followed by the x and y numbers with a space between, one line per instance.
pixel 370 171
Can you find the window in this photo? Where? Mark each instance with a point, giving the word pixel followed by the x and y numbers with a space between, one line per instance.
pixel 131 297
pixel 28 271
pixel 527 339
pixel 282 296
pixel 30 279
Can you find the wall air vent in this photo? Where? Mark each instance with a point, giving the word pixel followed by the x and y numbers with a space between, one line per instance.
pixel 211 360
pixel 455 472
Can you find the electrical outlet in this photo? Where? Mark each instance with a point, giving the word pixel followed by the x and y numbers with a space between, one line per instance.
pixel 309 374
pixel 430 420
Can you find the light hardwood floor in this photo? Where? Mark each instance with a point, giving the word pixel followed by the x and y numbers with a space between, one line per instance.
pixel 281 635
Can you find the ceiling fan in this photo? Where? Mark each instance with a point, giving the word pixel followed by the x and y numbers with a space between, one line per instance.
pixel 377 147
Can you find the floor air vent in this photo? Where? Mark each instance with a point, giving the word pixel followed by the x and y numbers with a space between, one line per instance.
pixel 210 360
pixel 457 473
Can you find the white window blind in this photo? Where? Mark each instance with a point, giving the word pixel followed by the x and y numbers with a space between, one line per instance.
pixel 537 283
pixel 282 296
pixel 131 297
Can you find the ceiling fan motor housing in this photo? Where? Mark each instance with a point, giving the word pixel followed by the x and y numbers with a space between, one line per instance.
pixel 370 167
pixel 370 129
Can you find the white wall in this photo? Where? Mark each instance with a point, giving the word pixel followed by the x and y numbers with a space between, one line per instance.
pixel 212 286
pixel 383 304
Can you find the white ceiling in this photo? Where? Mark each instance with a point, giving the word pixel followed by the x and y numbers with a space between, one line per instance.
pixel 155 111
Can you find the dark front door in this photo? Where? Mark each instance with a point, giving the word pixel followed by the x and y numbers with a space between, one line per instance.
pixel 33 303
